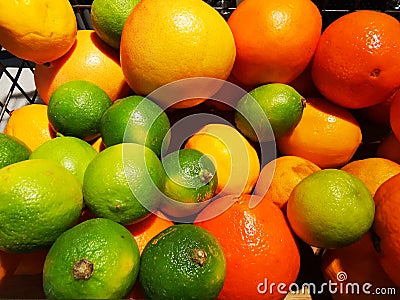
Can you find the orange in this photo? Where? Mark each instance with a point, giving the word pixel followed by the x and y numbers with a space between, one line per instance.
pixel 258 246
pixel 46 32
pixel 372 171
pixel 165 41
pixel 30 124
pixel 276 44
pixel 89 59
pixel 360 264
pixel 394 115
pixel 304 84
pixel 8 264
pixel 387 226
pixel 278 178
pixel 235 159
pixel 389 148
pixel 357 60
pixel 327 134
pixel 379 114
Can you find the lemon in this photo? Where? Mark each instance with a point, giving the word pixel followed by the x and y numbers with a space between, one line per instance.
pixel 12 150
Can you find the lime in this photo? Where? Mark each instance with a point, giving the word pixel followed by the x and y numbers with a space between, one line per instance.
pixel 12 150
pixel 96 259
pixel 108 18
pixel 75 109
pixel 278 103
pixel 124 183
pixel 136 119
pixel 330 209
pixel 72 153
pixel 183 261
pixel 39 200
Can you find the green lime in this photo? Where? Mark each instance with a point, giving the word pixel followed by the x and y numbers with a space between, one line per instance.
pixel 75 109
pixel 12 150
pixel 183 261
pixel 124 183
pixel 72 153
pixel 330 209
pixel 136 119
pixel 278 103
pixel 39 200
pixel 96 259
pixel 108 18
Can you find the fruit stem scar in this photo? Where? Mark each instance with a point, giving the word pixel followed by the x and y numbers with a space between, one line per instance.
pixel 199 256
pixel 205 175
pixel 303 102
pixel 82 269
pixel 375 73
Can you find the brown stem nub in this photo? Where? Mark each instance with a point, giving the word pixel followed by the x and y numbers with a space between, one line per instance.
pixel 82 269
pixel 205 175
pixel 199 256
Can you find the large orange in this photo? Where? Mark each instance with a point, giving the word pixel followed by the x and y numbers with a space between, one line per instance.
pixel 30 124
pixel 275 40
pixel 389 148
pixel 387 226
pixel 89 59
pixel 327 134
pixel 357 61
pixel 259 247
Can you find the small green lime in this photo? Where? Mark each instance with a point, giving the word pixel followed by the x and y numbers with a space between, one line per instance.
pixel 39 200
pixel 96 259
pixel 183 261
pixel 75 109
pixel 72 153
pixel 136 119
pixel 273 106
pixel 12 150
pixel 124 183
pixel 330 209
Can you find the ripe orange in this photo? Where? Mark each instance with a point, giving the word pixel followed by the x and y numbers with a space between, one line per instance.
pixel 394 115
pixel 275 44
pixel 30 125
pixel 387 226
pixel 357 61
pixel 278 178
pixel 258 245
pixel 327 134
pixel 389 148
pixel 89 59
pixel 372 171
pixel 379 114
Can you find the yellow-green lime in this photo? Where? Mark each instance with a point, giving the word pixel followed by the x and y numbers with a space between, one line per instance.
pixel 12 150
pixel 72 153
pixel 96 259
pixel 183 261
pixel 136 119
pixel 39 200
pixel 75 109
pixel 278 103
pixel 330 209
pixel 124 183
pixel 108 18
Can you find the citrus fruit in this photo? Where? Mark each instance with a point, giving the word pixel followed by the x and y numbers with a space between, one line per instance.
pixel 330 209
pixel 89 59
pixel 95 259
pixel 192 31
pixel 31 263
pixel 136 119
pixel 39 200
pixel 394 115
pixel 278 103
pixel 47 31
pixel 276 45
pixel 108 19
pixel 356 63
pixel 379 113
pixel 12 150
pixel 235 160
pixel 257 243
pixel 357 264
pixel 188 256
pixel 76 107
pixel 327 135
pixel 124 183
pixel 304 84
pixel 34 117
pixel 278 178
pixel 372 171
pixel 386 226
pixel 389 148
pixel 8 264
pixel 72 153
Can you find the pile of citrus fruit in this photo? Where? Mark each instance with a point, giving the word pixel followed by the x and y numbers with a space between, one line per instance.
pixel 177 155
